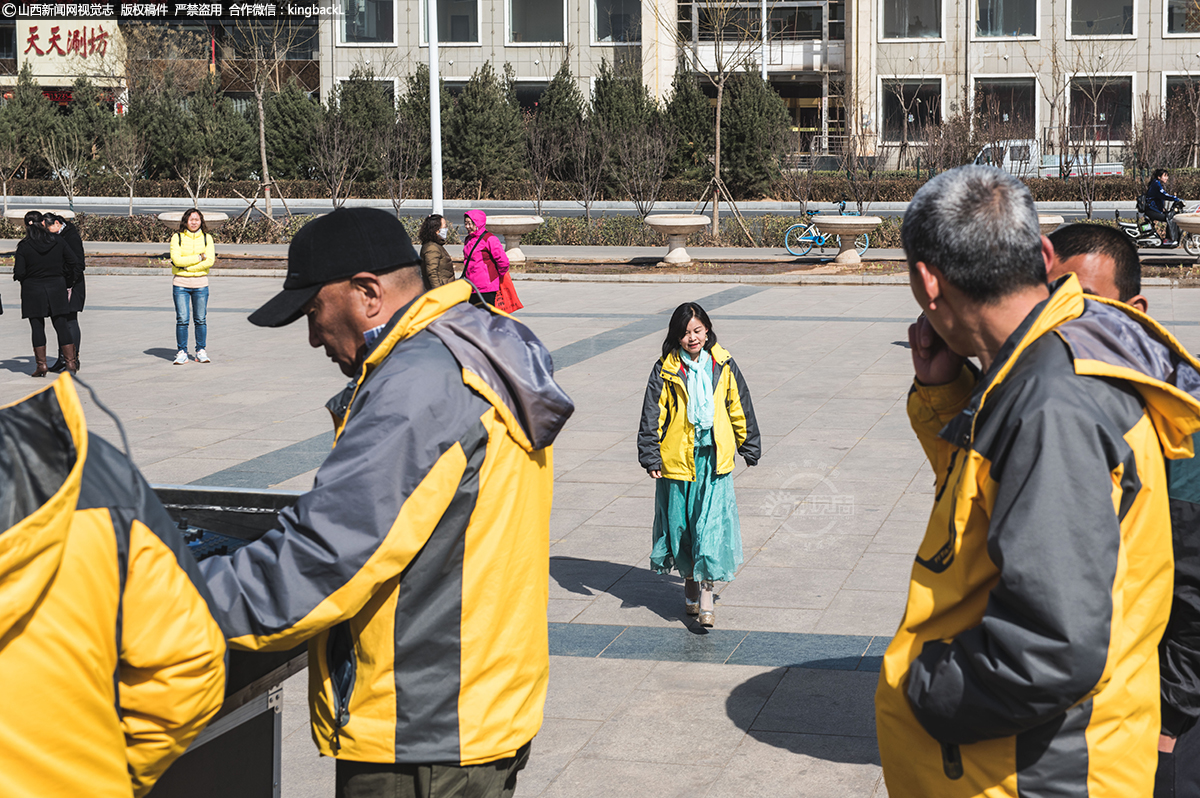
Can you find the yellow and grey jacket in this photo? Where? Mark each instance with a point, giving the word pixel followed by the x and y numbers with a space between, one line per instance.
pixel 418 565
pixel 667 439
pixel 1026 663
pixel 110 658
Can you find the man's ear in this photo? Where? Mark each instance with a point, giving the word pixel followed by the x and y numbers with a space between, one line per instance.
pixel 1048 255
pixel 928 280
pixel 369 289
pixel 1140 302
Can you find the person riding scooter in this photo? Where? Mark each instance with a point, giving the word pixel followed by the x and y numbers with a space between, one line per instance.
pixel 1157 207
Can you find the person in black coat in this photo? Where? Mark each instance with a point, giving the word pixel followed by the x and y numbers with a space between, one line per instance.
pixel 69 233
pixel 45 267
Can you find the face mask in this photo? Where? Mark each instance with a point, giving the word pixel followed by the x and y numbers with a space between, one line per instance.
pixel 445 231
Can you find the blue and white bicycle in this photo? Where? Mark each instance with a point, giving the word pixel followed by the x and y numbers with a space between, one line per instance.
pixel 801 238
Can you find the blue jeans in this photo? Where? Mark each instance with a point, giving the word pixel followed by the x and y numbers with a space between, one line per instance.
pixel 199 307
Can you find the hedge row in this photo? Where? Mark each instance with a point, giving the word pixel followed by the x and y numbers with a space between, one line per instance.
pixel 825 187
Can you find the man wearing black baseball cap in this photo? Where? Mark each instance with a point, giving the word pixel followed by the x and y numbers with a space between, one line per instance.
pixel 418 565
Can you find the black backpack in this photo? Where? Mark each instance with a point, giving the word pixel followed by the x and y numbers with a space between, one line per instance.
pixel 1141 204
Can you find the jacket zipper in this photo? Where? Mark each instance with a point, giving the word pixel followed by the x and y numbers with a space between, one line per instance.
pixel 952 761
pixel 343 667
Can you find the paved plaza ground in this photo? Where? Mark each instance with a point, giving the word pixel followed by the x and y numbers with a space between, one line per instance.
pixel 777 699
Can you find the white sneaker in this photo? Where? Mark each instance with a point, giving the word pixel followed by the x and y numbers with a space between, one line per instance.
pixel 202 356
pixel 181 358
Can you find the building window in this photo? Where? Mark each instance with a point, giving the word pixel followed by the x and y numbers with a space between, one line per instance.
pixel 1101 108
pixel 794 23
pixel 458 22
pixel 1101 17
pixel 912 19
pixel 8 40
pixel 909 108
pixel 369 22
pixel 1183 16
pixel 538 21
pixel 1005 107
pixel 1006 18
pixel 837 20
pixel 618 21
pixel 729 22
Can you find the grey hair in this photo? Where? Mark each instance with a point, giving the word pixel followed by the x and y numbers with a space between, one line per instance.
pixel 978 225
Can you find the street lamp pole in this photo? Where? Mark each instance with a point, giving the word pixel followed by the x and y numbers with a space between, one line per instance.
pixel 435 110
pixel 763 66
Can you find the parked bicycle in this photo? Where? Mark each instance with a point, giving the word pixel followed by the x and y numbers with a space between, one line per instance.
pixel 802 237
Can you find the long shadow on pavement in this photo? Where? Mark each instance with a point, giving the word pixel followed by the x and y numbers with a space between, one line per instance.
pixel 18 365
pixel 826 714
pixel 634 586
pixel 162 352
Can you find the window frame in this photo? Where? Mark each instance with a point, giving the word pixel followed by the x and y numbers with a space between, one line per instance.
pixel 423 29
pixel 1167 35
pixel 1037 105
pixel 1037 15
pixel 1121 37
pixel 941 27
pixel 939 80
pixel 594 24
pixel 1132 75
pixel 340 31
pixel 508 42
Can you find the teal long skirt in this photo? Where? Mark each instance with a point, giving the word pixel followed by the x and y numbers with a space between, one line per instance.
pixel 696 527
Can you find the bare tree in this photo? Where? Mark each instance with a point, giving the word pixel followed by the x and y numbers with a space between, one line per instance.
pixel 153 58
pixel 402 148
pixel 257 59
pixel 66 153
pixel 857 159
pixel 11 161
pixel 545 149
pixel 796 178
pixel 589 163
pixel 722 37
pixel 194 172
pixel 126 153
pixel 642 154
pixel 338 155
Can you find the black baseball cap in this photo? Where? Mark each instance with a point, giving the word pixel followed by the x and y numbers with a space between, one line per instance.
pixel 335 247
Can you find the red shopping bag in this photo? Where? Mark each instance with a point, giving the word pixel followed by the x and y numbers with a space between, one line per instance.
pixel 506 297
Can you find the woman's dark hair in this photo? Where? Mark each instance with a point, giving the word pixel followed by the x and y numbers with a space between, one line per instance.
pixel 680 320
pixel 35 227
pixel 1156 174
pixel 53 218
pixel 429 228
pixel 183 220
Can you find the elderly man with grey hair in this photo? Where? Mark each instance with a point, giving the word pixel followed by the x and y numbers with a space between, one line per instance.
pixel 1026 663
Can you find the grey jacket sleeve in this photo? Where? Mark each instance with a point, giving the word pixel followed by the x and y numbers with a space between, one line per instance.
pixel 649 432
pixel 1043 642
pixel 1179 651
pixel 751 447
pixel 414 432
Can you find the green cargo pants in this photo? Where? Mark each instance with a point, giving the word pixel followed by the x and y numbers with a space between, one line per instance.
pixel 373 780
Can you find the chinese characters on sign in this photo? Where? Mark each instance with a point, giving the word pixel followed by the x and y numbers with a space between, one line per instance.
pixel 83 41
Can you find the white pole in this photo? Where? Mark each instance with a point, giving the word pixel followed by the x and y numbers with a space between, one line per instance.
pixel 764 41
pixel 435 109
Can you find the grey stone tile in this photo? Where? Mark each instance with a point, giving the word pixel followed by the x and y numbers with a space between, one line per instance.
pixel 592 689
pixel 626 511
pixel 553 749
pixel 618 544
pixel 789 650
pixel 773 764
pixel 883 572
pixel 863 612
pixel 800 588
pixel 635 779
pixel 581 639
pixel 564 610
pixel 695 644
pixel 826 702
pixel 794 550
pixel 581 578
pixel 586 496
pixel 639 602
pixel 767 619
pixel 563 520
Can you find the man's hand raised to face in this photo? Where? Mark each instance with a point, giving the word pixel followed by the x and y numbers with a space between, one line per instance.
pixel 933 361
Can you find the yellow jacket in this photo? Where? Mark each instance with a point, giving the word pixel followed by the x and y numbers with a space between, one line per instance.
pixel 192 254
pixel 667 439
pixel 110 658
pixel 1026 662
pixel 418 565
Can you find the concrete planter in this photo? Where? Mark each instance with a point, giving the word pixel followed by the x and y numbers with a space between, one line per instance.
pixel 1049 224
pixel 677 228
pixel 512 228
pixel 848 228
pixel 18 214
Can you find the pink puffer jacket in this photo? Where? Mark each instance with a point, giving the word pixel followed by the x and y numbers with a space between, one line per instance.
pixel 477 267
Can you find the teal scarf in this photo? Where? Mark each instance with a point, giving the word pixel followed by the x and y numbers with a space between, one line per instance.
pixel 699 388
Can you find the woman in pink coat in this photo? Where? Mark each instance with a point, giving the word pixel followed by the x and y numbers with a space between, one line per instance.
pixel 484 256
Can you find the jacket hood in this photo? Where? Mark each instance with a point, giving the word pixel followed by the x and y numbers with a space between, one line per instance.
pixel 42 247
pixel 501 359
pixel 480 220
pixel 1111 339
pixel 43 445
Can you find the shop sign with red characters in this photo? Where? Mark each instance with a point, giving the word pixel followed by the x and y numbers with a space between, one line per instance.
pixel 69 48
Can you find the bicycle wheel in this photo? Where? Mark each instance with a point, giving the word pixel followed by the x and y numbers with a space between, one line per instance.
pixel 799 239
pixel 861 243
pixel 1191 243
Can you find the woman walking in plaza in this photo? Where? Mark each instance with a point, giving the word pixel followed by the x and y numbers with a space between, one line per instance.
pixel 76 294
pixel 696 415
pixel 437 267
pixel 192 255
pixel 45 267
pixel 484 259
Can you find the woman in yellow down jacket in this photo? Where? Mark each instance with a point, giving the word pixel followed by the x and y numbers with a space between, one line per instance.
pixel 696 415
pixel 192 255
